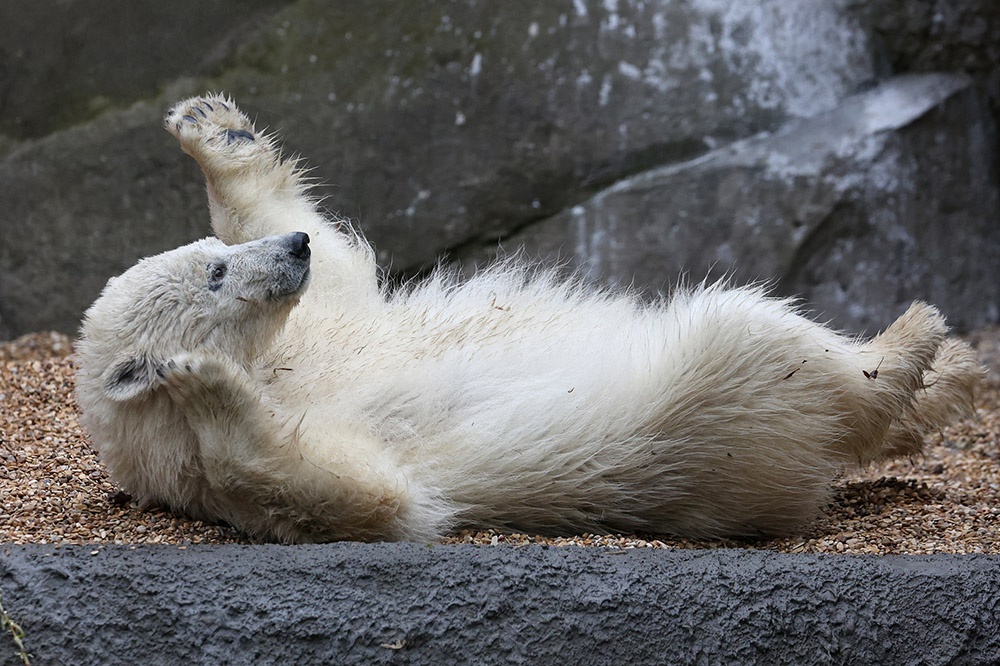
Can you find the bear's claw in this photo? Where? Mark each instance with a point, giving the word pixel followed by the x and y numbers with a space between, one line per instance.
pixel 237 134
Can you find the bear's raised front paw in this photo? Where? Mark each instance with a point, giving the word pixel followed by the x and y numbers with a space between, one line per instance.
pixel 210 123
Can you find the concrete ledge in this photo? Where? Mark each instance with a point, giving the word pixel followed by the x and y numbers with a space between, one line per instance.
pixel 413 604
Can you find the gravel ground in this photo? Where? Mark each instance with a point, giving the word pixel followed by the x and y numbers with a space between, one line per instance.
pixel 55 491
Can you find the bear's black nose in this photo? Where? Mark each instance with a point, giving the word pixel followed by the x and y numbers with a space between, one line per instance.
pixel 299 245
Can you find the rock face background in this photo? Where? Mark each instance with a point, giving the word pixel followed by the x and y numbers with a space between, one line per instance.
pixel 845 151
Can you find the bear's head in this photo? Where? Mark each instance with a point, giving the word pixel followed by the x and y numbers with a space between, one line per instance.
pixel 206 297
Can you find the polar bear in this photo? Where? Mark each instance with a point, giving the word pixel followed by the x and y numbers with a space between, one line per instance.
pixel 267 379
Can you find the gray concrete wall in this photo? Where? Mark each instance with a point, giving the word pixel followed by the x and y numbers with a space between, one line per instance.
pixel 418 604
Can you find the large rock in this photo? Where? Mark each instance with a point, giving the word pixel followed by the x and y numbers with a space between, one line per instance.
pixel 438 124
pixel 938 35
pixel 890 197
pixel 83 205
pixel 64 62
pixel 88 181
pixel 446 124
pixel 440 127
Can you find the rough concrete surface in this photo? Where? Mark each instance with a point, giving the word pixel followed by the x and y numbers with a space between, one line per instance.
pixel 419 604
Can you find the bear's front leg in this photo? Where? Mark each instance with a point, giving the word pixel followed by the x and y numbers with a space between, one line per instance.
pixel 254 193
pixel 266 479
pixel 222 407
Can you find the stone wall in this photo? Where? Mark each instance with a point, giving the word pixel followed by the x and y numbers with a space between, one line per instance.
pixel 845 151
pixel 417 604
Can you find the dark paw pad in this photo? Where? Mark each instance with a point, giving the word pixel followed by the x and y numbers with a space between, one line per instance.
pixel 237 135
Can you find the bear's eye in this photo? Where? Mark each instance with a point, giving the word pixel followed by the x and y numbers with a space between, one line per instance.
pixel 216 273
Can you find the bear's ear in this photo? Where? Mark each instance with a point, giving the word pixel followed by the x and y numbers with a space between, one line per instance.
pixel 131 377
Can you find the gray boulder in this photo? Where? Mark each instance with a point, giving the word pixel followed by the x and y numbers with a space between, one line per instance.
pixel 437 125
pixel 65 62
pixel 890 197
pixel 84 204
pixel 443 124
pixel 444 127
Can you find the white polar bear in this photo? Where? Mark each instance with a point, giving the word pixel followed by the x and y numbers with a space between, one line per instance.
pixel 212 381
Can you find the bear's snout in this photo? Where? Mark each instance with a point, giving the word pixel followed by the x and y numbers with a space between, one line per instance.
pixel 298 245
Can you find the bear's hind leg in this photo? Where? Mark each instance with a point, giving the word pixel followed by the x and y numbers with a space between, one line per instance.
pixel 912 382
pixel 946 396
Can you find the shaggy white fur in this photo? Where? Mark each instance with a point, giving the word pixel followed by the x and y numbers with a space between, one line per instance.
pixel 213 381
